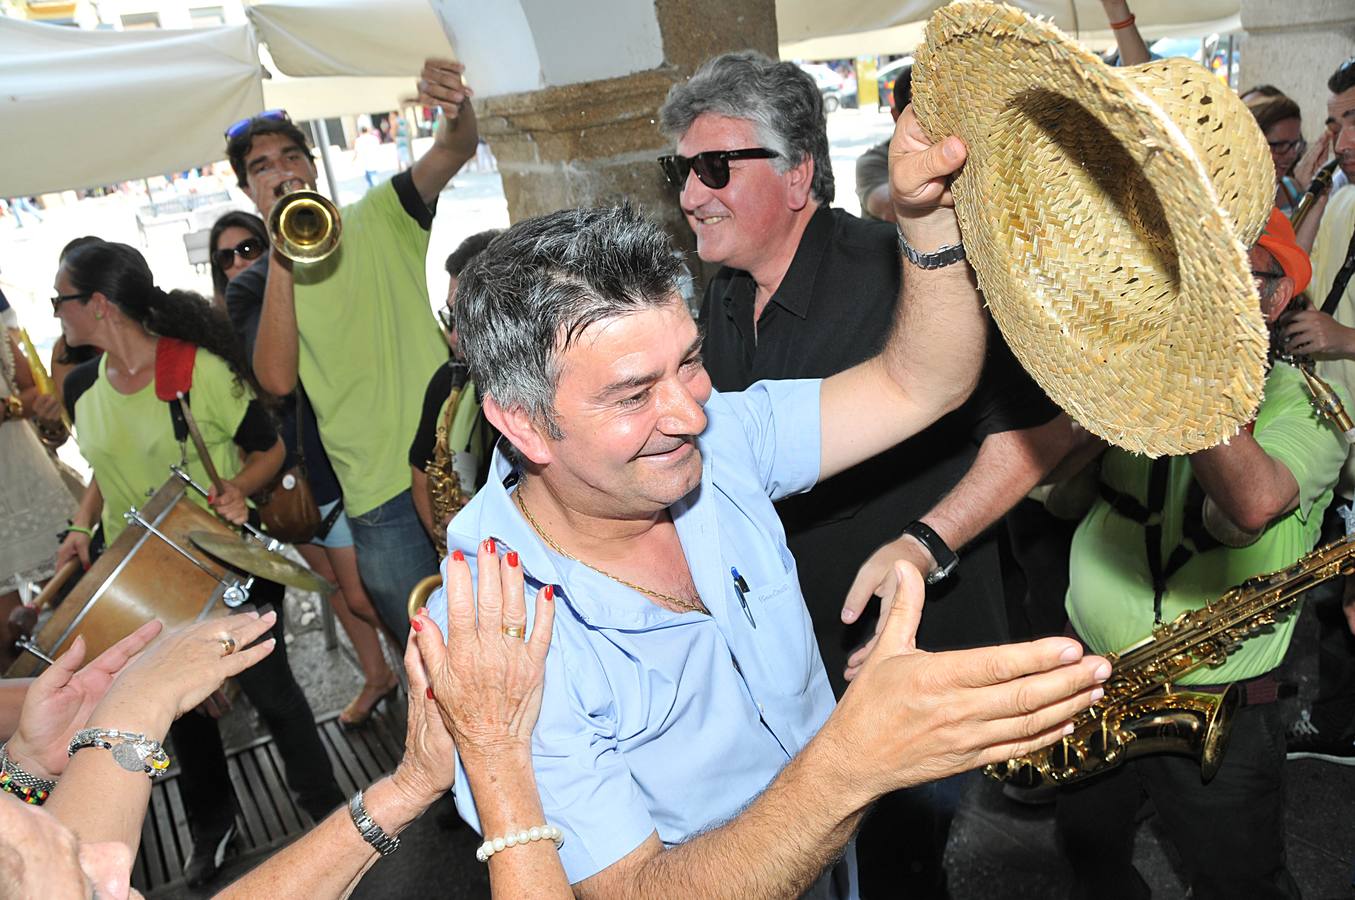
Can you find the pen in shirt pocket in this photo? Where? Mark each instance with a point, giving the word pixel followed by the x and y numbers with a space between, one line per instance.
pixel 741 588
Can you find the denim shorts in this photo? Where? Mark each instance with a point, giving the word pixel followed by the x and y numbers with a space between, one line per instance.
pixel 340 535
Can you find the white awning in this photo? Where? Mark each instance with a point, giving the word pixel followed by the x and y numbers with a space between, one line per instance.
pixel 86 108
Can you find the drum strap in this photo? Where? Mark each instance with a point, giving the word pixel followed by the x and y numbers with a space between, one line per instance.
pixel 174 374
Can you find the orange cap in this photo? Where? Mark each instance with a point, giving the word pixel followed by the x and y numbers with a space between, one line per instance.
pixel 1279 239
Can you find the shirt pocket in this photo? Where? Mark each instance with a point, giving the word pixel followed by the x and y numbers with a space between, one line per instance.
pixel 786 640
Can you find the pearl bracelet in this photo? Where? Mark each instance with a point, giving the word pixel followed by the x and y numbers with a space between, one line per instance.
pixel 525 836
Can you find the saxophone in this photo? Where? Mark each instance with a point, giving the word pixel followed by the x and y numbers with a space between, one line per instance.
pixel 1142 711
pixel 445 494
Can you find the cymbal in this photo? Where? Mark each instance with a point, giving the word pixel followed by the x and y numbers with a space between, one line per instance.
pixel 255 559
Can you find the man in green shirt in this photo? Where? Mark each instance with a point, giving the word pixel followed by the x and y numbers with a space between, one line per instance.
pixel 357 328
pixel 1212 520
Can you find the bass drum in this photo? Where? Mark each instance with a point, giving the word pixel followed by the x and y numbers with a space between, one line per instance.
pixel 152 571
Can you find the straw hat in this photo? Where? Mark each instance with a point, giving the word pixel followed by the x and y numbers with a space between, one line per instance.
pixel 1107 212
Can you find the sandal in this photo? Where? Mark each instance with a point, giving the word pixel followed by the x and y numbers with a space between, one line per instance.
pixel 357 713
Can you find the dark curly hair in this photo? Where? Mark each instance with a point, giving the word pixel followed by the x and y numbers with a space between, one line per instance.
pixel 237 148
pixel 120 273
pixel 233 219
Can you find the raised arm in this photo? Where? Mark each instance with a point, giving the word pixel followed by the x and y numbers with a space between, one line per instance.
pixel 936 343
pixel 457 137
pixel 1133 50
pixel 911 717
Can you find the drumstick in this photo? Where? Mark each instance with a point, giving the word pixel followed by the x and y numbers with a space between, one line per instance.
pixel 54 586
pixel 200 444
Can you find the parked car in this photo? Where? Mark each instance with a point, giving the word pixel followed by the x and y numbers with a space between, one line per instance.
pixel 835 99
pixel 885 77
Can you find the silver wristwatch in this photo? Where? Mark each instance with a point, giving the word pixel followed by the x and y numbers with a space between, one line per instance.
pixel 370 831
pixel 939 258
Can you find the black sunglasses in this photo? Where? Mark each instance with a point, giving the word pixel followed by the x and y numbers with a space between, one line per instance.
pixel 445 317
pixel 1283 146
pixel 66 298
pixel 251 248
pixel 712 167
pixel 239 128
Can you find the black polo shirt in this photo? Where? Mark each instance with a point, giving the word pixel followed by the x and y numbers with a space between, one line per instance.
pixel 833 310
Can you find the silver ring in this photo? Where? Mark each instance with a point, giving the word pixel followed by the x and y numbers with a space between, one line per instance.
pixel 227 645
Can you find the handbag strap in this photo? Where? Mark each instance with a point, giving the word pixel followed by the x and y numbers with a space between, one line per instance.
pixel 1338 285
pixel 301 404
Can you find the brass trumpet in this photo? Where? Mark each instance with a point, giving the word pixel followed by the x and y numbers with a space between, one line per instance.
pixel 304 226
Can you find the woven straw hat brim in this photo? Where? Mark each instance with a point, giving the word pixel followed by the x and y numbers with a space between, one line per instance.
pixel 1102 248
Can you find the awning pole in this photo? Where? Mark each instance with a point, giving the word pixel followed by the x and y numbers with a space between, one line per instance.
pixel 320 137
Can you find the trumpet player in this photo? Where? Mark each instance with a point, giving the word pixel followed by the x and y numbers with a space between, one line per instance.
pixel 356 327
pixel 1166 536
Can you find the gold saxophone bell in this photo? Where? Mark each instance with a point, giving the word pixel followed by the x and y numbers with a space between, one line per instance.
pixel 305 226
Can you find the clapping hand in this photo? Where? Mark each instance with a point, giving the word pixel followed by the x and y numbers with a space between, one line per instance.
pixel 912 716
pixel 182 668
pixel 60 700
pixel 487 678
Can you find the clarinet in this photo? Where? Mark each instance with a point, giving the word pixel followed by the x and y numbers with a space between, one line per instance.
pixel 1321 182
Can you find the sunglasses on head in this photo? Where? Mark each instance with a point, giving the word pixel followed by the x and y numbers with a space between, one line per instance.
pixel 251 248
pixel 239 128
pixel 712 167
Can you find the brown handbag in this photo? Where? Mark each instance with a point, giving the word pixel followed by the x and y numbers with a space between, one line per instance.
pixel 286 505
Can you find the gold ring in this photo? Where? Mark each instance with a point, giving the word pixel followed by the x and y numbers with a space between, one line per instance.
pixel 514 631
pixel 227 645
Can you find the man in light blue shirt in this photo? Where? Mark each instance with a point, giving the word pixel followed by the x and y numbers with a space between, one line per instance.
pixel 688 744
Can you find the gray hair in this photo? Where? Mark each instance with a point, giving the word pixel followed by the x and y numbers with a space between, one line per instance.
pixel 780 99
pixel 537 286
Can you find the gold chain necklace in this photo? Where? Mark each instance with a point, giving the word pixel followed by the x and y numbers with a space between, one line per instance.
pixel 689 605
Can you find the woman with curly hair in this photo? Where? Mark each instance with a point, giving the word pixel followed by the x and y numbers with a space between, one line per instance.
pixel 107 297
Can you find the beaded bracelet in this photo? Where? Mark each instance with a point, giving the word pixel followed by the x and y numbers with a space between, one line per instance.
pixel 25 785
pixel 525 836
pixel 30 795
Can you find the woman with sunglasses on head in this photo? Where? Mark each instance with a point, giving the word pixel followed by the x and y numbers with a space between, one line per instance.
pixel 155 344
pixel 238 240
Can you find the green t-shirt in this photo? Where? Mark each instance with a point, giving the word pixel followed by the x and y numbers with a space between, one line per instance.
pixel 368 344
pixel 128 439
pixel 1110 593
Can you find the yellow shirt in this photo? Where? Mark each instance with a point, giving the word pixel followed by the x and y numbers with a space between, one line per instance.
pixel 128 439
pixel 368 344
pixel 1329 252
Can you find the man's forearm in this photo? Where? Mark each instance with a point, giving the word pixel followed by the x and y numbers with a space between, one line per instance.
pixel 1007 466
pixel 329 860
pixel 776 847
pixel 435 169
pixel 276 344
pixel 1246 484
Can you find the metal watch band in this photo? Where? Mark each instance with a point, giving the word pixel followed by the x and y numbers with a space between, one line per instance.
pixel 22 778
pixel 940 258
pixel 370 831
pixel 946 558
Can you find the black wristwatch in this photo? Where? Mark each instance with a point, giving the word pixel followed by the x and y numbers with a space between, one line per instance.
pixel 946 560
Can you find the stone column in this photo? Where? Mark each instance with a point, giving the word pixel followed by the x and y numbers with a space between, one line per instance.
pixel 1296 45
pixel 595 143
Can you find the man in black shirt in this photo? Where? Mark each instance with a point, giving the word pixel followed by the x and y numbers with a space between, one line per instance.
pixel 806 291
